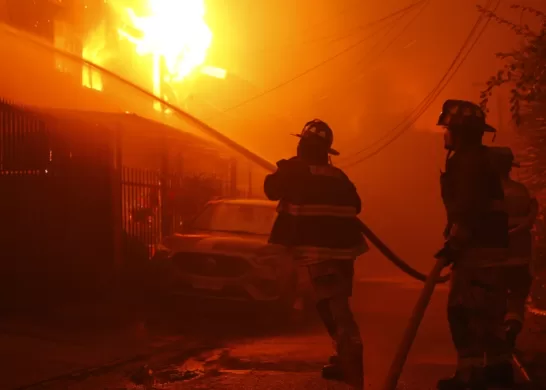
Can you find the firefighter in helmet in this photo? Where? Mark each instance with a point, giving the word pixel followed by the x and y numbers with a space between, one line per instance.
pixel 476 239
pixel 317 221
pixel 522 211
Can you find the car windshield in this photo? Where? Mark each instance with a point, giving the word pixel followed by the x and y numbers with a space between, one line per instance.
pixel 236 218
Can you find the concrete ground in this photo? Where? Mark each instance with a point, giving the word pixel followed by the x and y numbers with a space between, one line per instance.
pixel 217 347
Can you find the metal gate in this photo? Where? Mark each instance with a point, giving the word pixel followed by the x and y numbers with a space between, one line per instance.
pixel 141 211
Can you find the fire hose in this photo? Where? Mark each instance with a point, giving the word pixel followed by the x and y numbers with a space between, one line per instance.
pixel 430 281
pixel 218 136
pixel 393 258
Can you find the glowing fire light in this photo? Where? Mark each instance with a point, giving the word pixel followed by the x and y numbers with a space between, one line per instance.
pixel 174 33
pixel 93 51
pixel 212 71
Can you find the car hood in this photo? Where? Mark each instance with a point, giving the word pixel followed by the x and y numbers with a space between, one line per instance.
pixel 216 243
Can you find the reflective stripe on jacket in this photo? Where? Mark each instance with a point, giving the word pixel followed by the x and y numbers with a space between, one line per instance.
pixel 317 211
pixel 314 210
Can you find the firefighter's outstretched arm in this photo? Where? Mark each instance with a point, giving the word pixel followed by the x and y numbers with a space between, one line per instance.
pixel 351 192
pixel 273 186
pixel 276 183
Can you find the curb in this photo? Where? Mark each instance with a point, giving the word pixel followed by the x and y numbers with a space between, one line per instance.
pixel 188 346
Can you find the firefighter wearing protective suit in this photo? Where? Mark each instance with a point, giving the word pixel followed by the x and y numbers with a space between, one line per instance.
pixel 317 221
pixel 476 240
pixel 522 210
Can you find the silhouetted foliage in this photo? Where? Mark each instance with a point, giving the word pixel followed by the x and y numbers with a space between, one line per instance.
pixel 524 69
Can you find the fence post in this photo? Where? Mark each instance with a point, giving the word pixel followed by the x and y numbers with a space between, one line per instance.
pixel 165 212
pixel 117 213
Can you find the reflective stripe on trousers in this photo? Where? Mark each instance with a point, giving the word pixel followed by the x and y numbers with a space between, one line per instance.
pixel 307 255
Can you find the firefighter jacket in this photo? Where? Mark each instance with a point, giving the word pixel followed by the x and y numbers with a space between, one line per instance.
pixel 474 200
pixel 521 209
pixel 317 211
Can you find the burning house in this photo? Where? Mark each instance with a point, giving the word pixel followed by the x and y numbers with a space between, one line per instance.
pixel 87 185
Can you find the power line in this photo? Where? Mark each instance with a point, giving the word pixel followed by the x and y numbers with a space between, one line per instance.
pixel 333 37
pixel 320 64
pixel 404 29
pixel 391 28
pixel 429 99
pixel 375 58
pixel 401 13
pixel 436 94
pixel 226 111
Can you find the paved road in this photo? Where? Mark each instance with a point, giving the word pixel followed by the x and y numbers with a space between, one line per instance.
pixel 243 353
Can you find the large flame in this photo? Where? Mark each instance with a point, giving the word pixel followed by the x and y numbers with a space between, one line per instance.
pixel 173 32
pixel 93 51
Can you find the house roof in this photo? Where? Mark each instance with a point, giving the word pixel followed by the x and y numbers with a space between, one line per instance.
pixel 131 123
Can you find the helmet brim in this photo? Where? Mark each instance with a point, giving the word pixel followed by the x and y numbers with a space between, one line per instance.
pixel 331 151
pixel 444 122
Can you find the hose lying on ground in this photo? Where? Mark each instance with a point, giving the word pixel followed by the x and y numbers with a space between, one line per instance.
pixel 384 249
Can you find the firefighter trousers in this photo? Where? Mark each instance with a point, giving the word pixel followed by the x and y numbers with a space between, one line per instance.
pixel 516 280
pixel 332 282
pixel 476 308
pixel 519 280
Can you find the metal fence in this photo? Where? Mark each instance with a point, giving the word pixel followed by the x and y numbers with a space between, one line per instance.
pixel 73 205
pixel 141 211
pixel 55 205
pixel 23 142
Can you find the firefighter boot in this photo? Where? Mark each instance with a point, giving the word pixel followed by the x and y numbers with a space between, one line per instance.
pixel 476 381
pixel 350 371
pixel 500 376
pixel 332 372
pixel 333 360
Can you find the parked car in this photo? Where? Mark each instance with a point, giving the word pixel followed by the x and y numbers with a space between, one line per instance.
pixel 223 254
